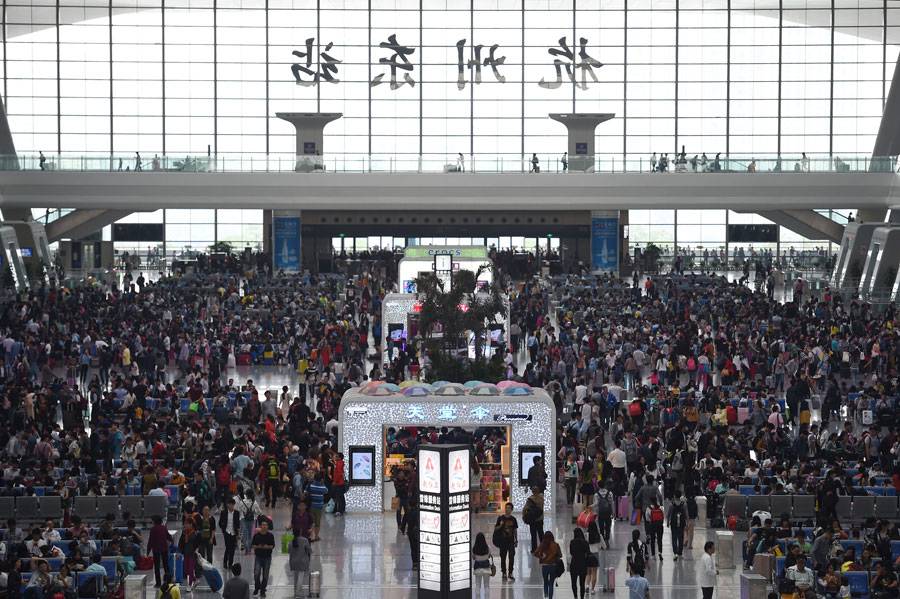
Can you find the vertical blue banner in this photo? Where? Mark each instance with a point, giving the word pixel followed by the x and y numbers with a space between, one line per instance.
pixel 604 244
pixel 286 244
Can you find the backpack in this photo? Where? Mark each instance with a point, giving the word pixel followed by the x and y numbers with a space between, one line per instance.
pixel 224 477
pixel 638 485
pixel 634 409
pixel 677 461
pixel 251 471
pixel 272 469
pixel 166 594
pixel 657 515
pixel 204 492
pixel 532 514
pixel 691 364
pixel 604 507
pixel 677 519
pixel 637 560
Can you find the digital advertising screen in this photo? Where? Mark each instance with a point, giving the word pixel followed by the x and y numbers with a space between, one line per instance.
pixel 26 252
pixel 362 465
pixel 396 332
pixel 527 453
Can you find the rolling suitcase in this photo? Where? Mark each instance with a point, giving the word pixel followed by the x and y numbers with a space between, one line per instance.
pixel 315 584
pixel 609 581
pixel 213 579
pixel 623 507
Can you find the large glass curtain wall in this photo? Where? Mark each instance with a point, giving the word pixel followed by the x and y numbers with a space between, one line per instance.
pixel 438 77
pixel 704 233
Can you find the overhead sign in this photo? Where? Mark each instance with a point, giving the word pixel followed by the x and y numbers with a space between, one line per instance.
pixel 431 252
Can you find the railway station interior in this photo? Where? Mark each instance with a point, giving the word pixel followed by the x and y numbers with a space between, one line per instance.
pixel 439 299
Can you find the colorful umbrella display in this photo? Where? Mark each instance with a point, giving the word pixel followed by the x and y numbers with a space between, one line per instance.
pixel 471 384
pixel 377 391
pixel 416 391
pixel 453 390
pixel 518 391
pixel 390 386
pixel 485 390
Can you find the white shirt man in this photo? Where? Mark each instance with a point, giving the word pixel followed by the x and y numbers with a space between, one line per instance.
pixel 617 458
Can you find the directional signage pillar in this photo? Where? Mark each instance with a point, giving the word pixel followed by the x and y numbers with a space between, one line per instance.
pixel 444 522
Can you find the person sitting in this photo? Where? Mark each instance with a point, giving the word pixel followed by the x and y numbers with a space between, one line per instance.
pixel 830 581
pixel 884 583
pixel 803 579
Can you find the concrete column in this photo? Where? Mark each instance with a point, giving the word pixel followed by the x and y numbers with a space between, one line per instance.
pixel 310 128
pixel 581 128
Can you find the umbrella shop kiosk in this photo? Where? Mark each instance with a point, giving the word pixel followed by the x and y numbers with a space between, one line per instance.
pixel 525 417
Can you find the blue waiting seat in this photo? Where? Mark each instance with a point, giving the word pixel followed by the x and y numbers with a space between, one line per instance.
pixel 859 584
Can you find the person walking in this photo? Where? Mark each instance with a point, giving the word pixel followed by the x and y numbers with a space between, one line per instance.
pixel 250 510
pixel 565 161
pixel 537 475
pixel 263 542
pixel 158 542
pixel 655 519
pixel 411 524
pixel 638 586
pixel 236 587
pixel 481 565
pixel 339 485
pixel 188 543
pixel 206 528
pixel 548 552
pixel 578 561
pixel 230 525
pixel 299 554
pixel 676 520
pixel 596 544
pixel 603 507
pixel 535 164
pixel 506 539
pixel 533 516
pixel 570 472
pixel 706 577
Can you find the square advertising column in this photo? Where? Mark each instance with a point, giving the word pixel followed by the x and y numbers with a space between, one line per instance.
pixel 444 520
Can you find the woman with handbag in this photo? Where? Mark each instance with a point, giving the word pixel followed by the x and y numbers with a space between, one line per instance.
pixel 548 554
pixel 482 564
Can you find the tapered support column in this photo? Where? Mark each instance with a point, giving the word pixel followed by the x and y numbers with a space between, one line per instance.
pixel 581 128
pixel 310 128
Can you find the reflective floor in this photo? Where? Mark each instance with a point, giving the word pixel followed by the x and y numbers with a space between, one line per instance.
pixel 365 557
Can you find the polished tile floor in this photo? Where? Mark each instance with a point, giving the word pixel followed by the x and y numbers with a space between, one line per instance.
pixel 365 557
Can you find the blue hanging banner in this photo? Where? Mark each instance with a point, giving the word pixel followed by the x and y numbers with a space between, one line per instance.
pixel 604 244
pixel 286 244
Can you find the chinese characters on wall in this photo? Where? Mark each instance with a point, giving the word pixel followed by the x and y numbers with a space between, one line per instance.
pixel 578 67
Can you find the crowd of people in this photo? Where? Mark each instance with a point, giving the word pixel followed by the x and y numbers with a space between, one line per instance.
pixel 666 389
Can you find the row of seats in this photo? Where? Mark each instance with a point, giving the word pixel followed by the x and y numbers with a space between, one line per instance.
pixel 888 491
pixel 31 508
pixel 56 562
pixel 802 507
pixel 79 578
